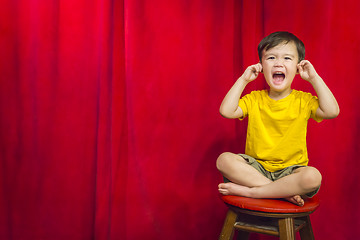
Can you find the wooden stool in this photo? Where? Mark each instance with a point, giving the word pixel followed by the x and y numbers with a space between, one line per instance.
pixel 267 216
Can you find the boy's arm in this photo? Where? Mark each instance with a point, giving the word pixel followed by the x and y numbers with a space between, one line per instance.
pixel 229 107
pixel 328 106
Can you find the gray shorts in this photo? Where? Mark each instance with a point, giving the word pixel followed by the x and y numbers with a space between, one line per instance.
pixel 273 176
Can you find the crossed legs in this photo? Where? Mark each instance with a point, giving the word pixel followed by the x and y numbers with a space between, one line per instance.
pixel 248 182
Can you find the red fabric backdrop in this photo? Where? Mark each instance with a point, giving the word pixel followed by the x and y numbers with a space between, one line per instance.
pixel 109 123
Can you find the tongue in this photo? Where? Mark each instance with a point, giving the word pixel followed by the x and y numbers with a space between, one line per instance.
pixel 278 78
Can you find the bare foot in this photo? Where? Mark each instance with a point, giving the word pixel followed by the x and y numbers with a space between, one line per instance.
pixel 238 190
pixel 234 189
pixel 297 200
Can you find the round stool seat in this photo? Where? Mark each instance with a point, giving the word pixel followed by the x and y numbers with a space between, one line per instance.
pixel 271 205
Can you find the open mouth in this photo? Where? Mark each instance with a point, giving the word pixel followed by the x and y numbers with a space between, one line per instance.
pixel 278 77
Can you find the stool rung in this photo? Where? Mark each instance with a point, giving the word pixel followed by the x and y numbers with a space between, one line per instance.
pixel 268 226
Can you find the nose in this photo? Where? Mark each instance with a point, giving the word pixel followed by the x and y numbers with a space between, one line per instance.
pixel 279 63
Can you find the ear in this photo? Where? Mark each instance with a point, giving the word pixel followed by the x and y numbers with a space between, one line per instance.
pixel 297 68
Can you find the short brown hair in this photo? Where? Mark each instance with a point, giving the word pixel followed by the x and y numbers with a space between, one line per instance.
pixel 276 38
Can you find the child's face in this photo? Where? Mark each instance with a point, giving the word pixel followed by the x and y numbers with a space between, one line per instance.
pixel 280 67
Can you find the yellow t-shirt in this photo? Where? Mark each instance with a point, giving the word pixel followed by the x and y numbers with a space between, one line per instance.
pixel 276 134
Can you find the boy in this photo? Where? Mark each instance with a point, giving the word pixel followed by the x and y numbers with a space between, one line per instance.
pixel 275 164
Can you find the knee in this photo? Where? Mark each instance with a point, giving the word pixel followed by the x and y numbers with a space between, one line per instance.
pixel 311 178
pixel 223 161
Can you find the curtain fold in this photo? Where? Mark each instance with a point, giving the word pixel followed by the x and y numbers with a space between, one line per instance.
pixel 109 123
pixel 63 127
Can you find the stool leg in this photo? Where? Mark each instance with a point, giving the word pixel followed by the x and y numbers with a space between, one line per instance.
pixel 286 229
pixel 227 232
pixel 306 233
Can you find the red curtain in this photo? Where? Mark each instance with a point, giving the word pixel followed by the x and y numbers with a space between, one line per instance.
pixel 109 123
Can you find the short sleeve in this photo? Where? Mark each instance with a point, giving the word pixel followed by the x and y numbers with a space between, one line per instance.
pixel 245 105
pixel 314 105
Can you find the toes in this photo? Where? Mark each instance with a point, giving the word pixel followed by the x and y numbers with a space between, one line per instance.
pixel 223 192
pixel 223 185
pixel 300 201
pixel 225 188
pixel 297 200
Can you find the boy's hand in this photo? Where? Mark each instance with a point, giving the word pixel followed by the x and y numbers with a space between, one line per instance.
pixel 307 71
pixel 252 72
